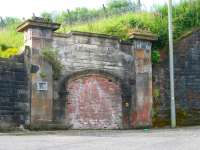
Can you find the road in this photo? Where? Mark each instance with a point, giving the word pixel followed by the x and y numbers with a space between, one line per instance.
pixel 162 139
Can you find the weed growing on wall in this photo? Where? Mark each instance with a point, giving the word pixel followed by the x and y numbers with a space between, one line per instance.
pixel 43 75
pixel 155 57
pixel 51 56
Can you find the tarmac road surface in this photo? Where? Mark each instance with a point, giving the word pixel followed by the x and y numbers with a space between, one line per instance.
pixel 162 139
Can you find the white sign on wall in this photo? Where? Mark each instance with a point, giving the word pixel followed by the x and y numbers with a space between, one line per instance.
pixel 42 86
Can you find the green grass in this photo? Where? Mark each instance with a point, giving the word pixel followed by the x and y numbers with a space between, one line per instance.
pixel 186 17
pixel 115 25
pixel 9 36
pixel 10 41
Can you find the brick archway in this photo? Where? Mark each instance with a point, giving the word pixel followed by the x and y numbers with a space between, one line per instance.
pixel 94 102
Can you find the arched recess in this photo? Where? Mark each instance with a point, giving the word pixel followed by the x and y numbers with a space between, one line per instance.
pixel 94 101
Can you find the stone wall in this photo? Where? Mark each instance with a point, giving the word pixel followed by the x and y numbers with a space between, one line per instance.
pixel 14 102
pixel 80 51
pixel 113 77
pixel 38 36
pixel 41 100
pixel 187 83
pixel 95 62
pixel 141 114
pixel 90 53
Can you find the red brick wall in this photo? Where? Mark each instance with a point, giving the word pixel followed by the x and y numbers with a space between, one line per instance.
pixel 94 102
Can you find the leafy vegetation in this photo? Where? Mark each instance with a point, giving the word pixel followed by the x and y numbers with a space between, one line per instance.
pixel 51 56
pixel 186 17
pixel 116 25
pixel 8 52
pixel 155 57
pixel 118 17
pixel 8 35
pixel 10 40
pixel 81 15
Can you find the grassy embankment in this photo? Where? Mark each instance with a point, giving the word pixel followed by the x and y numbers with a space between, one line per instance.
pixel 10 40
pixel 186 18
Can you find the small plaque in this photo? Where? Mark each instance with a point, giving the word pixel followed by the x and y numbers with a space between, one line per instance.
pixel 42 86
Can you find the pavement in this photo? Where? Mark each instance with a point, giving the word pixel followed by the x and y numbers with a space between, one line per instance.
pixel 152 139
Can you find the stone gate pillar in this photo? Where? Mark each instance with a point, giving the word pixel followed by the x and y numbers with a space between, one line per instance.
pixel 142 99
pixel 38 35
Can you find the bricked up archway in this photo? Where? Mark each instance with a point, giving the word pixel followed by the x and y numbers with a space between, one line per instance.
pixel 94 102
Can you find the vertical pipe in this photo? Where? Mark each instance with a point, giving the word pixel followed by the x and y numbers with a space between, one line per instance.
pixel 171 64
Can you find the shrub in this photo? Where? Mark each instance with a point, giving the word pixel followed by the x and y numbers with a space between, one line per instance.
pixel 7 53
pixel 155 56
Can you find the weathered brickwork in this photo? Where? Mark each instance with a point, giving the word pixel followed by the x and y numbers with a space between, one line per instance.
pixel 14 102
pixel 94 102
pixel 187 84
